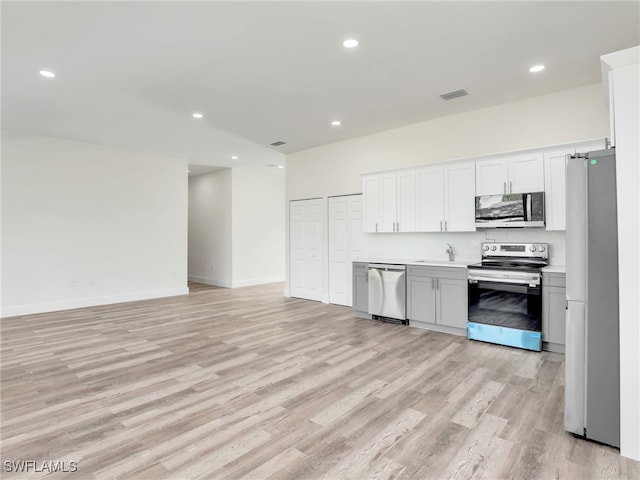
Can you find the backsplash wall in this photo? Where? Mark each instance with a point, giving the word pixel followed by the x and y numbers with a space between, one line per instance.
pixel 466 245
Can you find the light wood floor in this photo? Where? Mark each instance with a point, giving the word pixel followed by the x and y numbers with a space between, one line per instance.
pixel 247 384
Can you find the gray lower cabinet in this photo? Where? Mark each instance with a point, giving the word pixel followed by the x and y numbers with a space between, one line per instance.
pixel 553 311
pixel 360 287
pixel 421 298
pixel 437 298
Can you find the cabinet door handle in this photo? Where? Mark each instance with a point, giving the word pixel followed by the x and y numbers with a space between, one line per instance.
pixel 510 187
pixel 504 187
pixel 438 284
pixel 445 225
pixel 433 284
pixel 397 226
pixel 376 226
pixel 440 225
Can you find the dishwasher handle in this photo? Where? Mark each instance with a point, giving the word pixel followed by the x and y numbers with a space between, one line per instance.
pixel 383 266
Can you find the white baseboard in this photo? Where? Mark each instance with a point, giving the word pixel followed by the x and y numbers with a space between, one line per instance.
pixel 235 283
pixel 89 302
pixel 256 281
pixel 210 281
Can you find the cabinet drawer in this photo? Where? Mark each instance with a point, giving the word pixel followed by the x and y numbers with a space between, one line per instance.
pixel 453 273
pixel 554 279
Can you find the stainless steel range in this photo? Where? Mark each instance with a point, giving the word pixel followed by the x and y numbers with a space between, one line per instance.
pixel 505 294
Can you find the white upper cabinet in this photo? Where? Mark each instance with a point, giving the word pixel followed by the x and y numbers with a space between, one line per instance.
pixel 429 199
pixel 445 198
pixel 441 197
pixel 406 201
pixel 371 194
pixel 554 192
pixel 554 182
pixel 526 173
pixel 459 197
pixel 491 176
pixel 389 201
pixel 519 173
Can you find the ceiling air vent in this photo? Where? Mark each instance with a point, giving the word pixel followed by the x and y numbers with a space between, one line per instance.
pixel 278 143
pixel 454 94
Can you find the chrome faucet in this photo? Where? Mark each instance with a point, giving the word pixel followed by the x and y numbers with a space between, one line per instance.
pixel 450 252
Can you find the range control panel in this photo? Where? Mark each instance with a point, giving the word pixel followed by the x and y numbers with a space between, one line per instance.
pixel 521 250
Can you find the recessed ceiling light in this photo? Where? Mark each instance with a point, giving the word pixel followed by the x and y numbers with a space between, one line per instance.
pixel 197 115
pixel 280 166
pixel 536 68
pixel 336 123
pixel 47 73
pixel 350 43
pixel 234 158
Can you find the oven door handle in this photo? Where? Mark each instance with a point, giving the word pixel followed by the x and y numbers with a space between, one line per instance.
pixel 532 282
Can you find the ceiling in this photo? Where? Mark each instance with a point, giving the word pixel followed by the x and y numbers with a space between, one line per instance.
pixel 130 74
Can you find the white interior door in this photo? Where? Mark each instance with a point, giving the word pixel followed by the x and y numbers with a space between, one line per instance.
pixel 346 241
pixel 305 247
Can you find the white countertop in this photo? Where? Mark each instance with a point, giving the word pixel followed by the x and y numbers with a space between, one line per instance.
pixel 463 263
pixel 555 269
pixel 417 261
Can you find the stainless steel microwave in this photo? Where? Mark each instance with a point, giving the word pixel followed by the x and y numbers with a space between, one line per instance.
pixel 513 210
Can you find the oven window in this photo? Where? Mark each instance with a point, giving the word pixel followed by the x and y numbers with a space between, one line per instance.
pixel 506 305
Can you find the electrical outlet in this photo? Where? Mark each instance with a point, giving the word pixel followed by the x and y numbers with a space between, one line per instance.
pixel 74 283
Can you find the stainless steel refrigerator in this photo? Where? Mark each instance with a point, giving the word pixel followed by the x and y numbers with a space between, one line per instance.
pixel 592 351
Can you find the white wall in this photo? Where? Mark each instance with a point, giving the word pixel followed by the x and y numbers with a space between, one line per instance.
pixel 237 227
pixel 258 220
pixel 622 71
pixel 563 117
pixel 210 247
pixel 85 225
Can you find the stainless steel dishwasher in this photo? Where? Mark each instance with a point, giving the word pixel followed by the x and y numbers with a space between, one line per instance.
pixel 387 292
